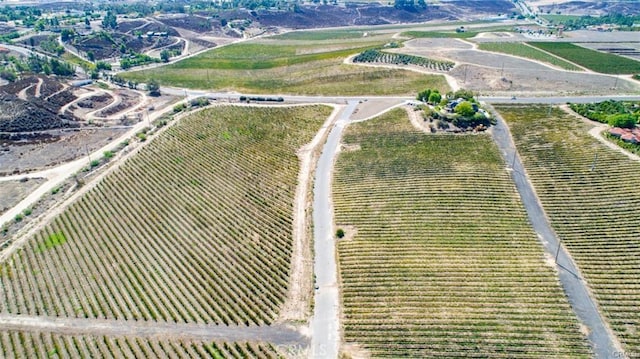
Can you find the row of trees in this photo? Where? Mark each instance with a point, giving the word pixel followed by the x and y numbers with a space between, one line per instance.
pixel 623 114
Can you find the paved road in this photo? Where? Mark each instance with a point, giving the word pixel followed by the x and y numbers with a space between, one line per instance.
pixel 557 99
pixel 603 342
pixel 235 96
pixel 276 334
pixel 325 325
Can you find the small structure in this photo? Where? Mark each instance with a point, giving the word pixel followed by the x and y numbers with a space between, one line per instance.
pixel 80 83
pixel 626 134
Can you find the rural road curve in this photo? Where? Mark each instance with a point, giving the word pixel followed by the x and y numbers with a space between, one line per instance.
pixel 325 324
pixel 276 334
pixel 603 342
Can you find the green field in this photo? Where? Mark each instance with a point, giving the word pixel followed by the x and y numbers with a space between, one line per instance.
pixel 439 260
pixel 522 50
pixel 440 34
pixel 320 35
pixel 559 19
pixel 15 344
pixel 304 69
pixel 589 193
pixel 196 227
pixel 594 60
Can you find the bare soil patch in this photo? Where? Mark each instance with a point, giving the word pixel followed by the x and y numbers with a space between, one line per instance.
pixel 368 108
pixel 494 73
pixel 52 148
pixel 12 192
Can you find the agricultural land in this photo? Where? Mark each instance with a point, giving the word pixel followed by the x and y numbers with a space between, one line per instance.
pixel 439 259
pixel 416 178
pixel 586 190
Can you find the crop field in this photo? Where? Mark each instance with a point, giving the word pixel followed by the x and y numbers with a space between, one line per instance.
pixel 321 35
pixel 440 34
pixel 593 205
pixel 376 56
pixel 522 50
pixel 197 227
pixel 303 69
pixel 594 60
pixel 16 344
pixel 439 259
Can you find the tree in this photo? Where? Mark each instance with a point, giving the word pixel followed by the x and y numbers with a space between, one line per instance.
pixel 464 109
pixel 465 94
pixel 424 95
pixel 91 56
pixel 165 55
pixel 67 34
pixel 435 98
pixel 101 65
pixel 153 87
pixel 87 23
pixel 109 21
pixel 622 120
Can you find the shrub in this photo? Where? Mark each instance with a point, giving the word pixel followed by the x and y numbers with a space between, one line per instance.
pixel 18 218
pixel 340 233
pixel 622 120
pixel 108 154
pixel 95 163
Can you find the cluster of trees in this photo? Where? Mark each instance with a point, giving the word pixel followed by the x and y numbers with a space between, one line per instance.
pixel 625 21
pixel 410 5
pixel 48 66
pixel 12 66
pixel 122 82
pixel 623 114
pixel 466 112
pixel 136 59
pixel 50 45
pixel 429 96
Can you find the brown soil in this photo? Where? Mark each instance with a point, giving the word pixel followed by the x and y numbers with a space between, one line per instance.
pixel 12 192
pixel 52 148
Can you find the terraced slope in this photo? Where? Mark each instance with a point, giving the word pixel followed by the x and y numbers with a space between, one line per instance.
pixel 15 344
pixel 443 262
pixel 593 204
pixel 197 227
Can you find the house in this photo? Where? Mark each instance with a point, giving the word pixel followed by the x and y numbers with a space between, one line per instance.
pixel 625 134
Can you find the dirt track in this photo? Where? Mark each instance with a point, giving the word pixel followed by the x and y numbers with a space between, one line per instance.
pixel 276 334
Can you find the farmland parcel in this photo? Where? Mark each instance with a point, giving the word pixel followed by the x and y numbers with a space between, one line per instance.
pixel 589 192
pixel 196 228
pixel 439 259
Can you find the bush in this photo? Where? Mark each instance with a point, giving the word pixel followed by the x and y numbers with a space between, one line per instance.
pixel 108 154
pixel 179 107
pixel 340 233
pixel 18 218
pixel 622 120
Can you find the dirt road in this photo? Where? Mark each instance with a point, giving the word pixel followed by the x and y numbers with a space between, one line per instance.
pixel 276 334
